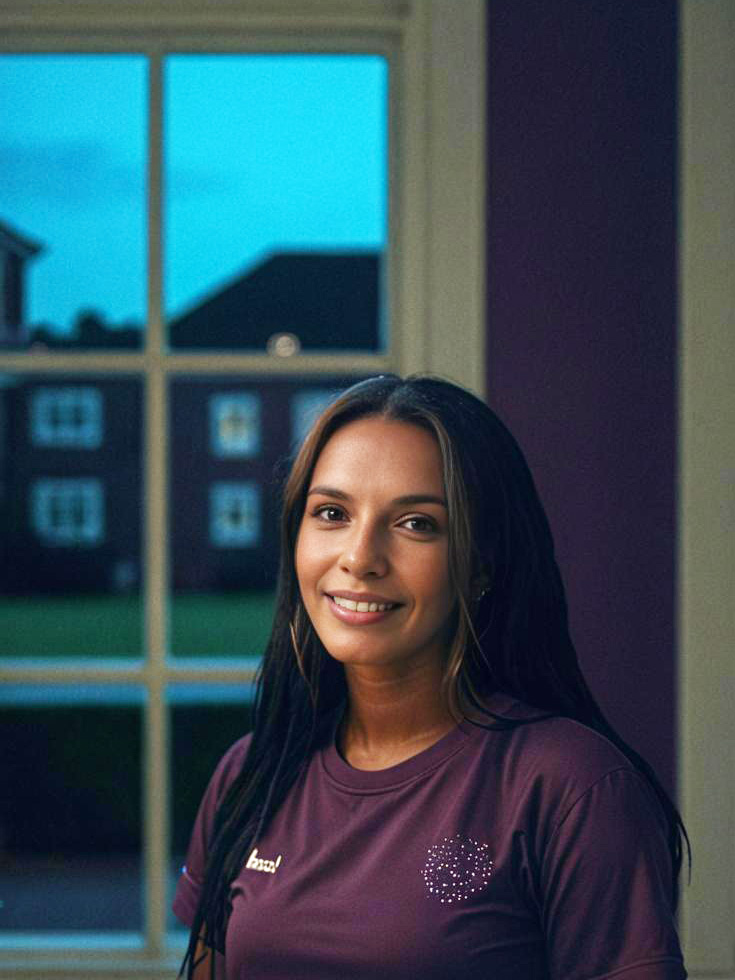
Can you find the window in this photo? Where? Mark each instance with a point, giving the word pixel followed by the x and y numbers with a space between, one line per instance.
pixel 234 515
pixel 216 354
pixel 305 407
pixel 68 418
pixel 68 512
pixel 234 423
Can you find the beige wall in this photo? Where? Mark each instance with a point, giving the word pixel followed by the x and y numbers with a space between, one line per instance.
pixel 707 480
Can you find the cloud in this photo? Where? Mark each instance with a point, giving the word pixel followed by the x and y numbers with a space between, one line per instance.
pixel 70 171
pixel 78 172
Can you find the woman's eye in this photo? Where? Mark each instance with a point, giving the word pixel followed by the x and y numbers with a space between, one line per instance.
pixel 330 514
pixel 419 524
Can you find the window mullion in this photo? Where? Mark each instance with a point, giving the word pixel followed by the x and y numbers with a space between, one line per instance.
pixel 155 776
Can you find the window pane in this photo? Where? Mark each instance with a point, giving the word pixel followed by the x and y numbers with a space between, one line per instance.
pixel 70 819
pixel 70 523
pixel 205 722
pixel 72 200
pixel 231 439
pixel 275 201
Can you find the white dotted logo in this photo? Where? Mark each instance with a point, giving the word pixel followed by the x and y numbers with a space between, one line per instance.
pixel 456 868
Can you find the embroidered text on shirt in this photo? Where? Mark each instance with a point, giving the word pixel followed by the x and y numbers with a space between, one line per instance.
pixel 261 864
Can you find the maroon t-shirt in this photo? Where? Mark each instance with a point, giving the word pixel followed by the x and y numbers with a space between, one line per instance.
pixel 535 852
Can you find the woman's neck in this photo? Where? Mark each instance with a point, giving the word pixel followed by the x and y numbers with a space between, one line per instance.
pixel 390 718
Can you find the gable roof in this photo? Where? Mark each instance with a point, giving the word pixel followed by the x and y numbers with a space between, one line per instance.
pixel 329 300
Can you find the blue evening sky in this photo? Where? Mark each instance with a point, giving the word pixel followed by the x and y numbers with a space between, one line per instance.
pixel 262 152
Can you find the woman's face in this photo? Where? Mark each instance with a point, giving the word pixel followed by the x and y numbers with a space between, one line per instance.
pixel 372 549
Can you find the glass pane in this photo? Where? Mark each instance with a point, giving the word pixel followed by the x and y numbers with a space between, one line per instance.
pixel 205 722
pixel 70 821
pixel 230 443
pixel 70 516
pixel 72 200
pixel 276 201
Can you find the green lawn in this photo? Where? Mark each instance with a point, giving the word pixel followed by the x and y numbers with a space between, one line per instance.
pixel 232 624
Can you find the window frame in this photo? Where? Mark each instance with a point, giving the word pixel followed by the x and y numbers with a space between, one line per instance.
pixel 436 277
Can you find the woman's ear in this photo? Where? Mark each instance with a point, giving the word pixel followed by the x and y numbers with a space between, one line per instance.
pixel 481 585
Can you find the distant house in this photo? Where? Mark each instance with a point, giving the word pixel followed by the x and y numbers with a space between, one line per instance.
pixel 71 501
pixel 15 250
pixel 71 467
pixel 326 300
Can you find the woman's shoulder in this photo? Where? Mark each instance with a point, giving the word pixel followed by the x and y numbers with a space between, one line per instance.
pixel 552 753
pixel 228 768
pixel 236 752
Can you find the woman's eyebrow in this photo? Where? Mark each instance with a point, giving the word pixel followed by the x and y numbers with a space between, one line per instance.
pixel 421 498
pixel 411 498
pixel 329 492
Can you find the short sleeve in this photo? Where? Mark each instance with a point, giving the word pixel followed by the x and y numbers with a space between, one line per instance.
pixel 606 886
pixel 189 885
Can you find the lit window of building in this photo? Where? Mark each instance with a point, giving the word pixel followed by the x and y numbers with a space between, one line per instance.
pixel 234 515
pixel 305 408
pixel 66 418
pixel 234 424
pixel 68 512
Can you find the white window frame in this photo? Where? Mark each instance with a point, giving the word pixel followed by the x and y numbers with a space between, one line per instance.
pixel 436 276
pixel 87 434
pixel 68 494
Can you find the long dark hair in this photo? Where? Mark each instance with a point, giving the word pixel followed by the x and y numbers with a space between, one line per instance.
pixel 512 631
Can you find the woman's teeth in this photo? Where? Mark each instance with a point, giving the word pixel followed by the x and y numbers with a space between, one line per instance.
pixel 361 606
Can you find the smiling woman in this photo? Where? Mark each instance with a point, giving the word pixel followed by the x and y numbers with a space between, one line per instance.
pixel 373 568
pixel 367 557
pixel 426 755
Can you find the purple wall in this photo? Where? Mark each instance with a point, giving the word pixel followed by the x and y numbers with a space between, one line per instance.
pixel 582 322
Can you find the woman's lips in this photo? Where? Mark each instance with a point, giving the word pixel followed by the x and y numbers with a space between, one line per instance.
pixel 361 604
pixel 360 612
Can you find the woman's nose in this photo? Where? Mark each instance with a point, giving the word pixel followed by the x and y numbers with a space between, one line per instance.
pixel 364 553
